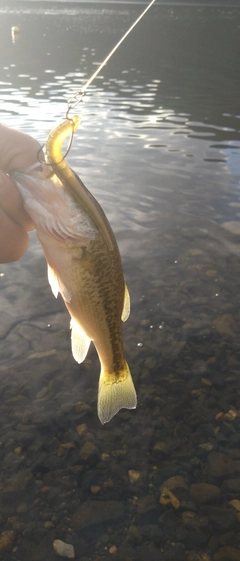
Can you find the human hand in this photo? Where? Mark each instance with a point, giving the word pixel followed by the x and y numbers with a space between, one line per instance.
pixel 17 150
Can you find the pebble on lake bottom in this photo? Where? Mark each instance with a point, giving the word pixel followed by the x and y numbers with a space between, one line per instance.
pixel 113 549
pixel 64 549
pixel 6 539
pixel 134 476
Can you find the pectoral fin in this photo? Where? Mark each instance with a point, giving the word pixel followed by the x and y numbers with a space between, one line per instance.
pixel 80 342
pixel 53 281
pixel 126 304
pixel 57 285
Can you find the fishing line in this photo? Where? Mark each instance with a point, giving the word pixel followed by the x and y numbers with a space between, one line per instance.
pixel 78 97
pixel 75 100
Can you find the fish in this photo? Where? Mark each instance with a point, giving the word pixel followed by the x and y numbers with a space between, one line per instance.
pixel 84 266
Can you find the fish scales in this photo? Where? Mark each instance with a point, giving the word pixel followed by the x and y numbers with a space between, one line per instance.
pixel 84 265
pixel 96 298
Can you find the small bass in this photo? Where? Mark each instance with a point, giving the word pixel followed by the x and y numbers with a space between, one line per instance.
pixel 84 265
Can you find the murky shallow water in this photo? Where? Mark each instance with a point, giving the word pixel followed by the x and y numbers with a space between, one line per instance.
pixel 159 148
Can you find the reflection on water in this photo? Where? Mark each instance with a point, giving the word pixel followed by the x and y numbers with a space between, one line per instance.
pixel 159 147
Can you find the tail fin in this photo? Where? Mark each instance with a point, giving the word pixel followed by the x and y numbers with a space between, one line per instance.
pixel 114 393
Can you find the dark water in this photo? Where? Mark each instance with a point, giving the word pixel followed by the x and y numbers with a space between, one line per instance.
pixel 159 147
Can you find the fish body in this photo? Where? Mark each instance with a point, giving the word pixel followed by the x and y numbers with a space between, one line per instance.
pixel 84 265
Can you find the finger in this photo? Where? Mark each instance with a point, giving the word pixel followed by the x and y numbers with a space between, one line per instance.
pixel 12 204
pixel 17 149
pixel 13 239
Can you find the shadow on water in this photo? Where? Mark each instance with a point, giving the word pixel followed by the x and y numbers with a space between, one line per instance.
pixel 159 147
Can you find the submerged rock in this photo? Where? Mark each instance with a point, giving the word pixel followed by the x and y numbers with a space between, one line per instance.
pixel 174 482
pixel 6 540
pixel 223 324
pixel 89 453
pixel 220 465
pixel 134 476
pixel 231 486
pixel 146 503
pixel 202 493
pixel 227 553
pixel 94 512
pixel 64 549
pixel 222 517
